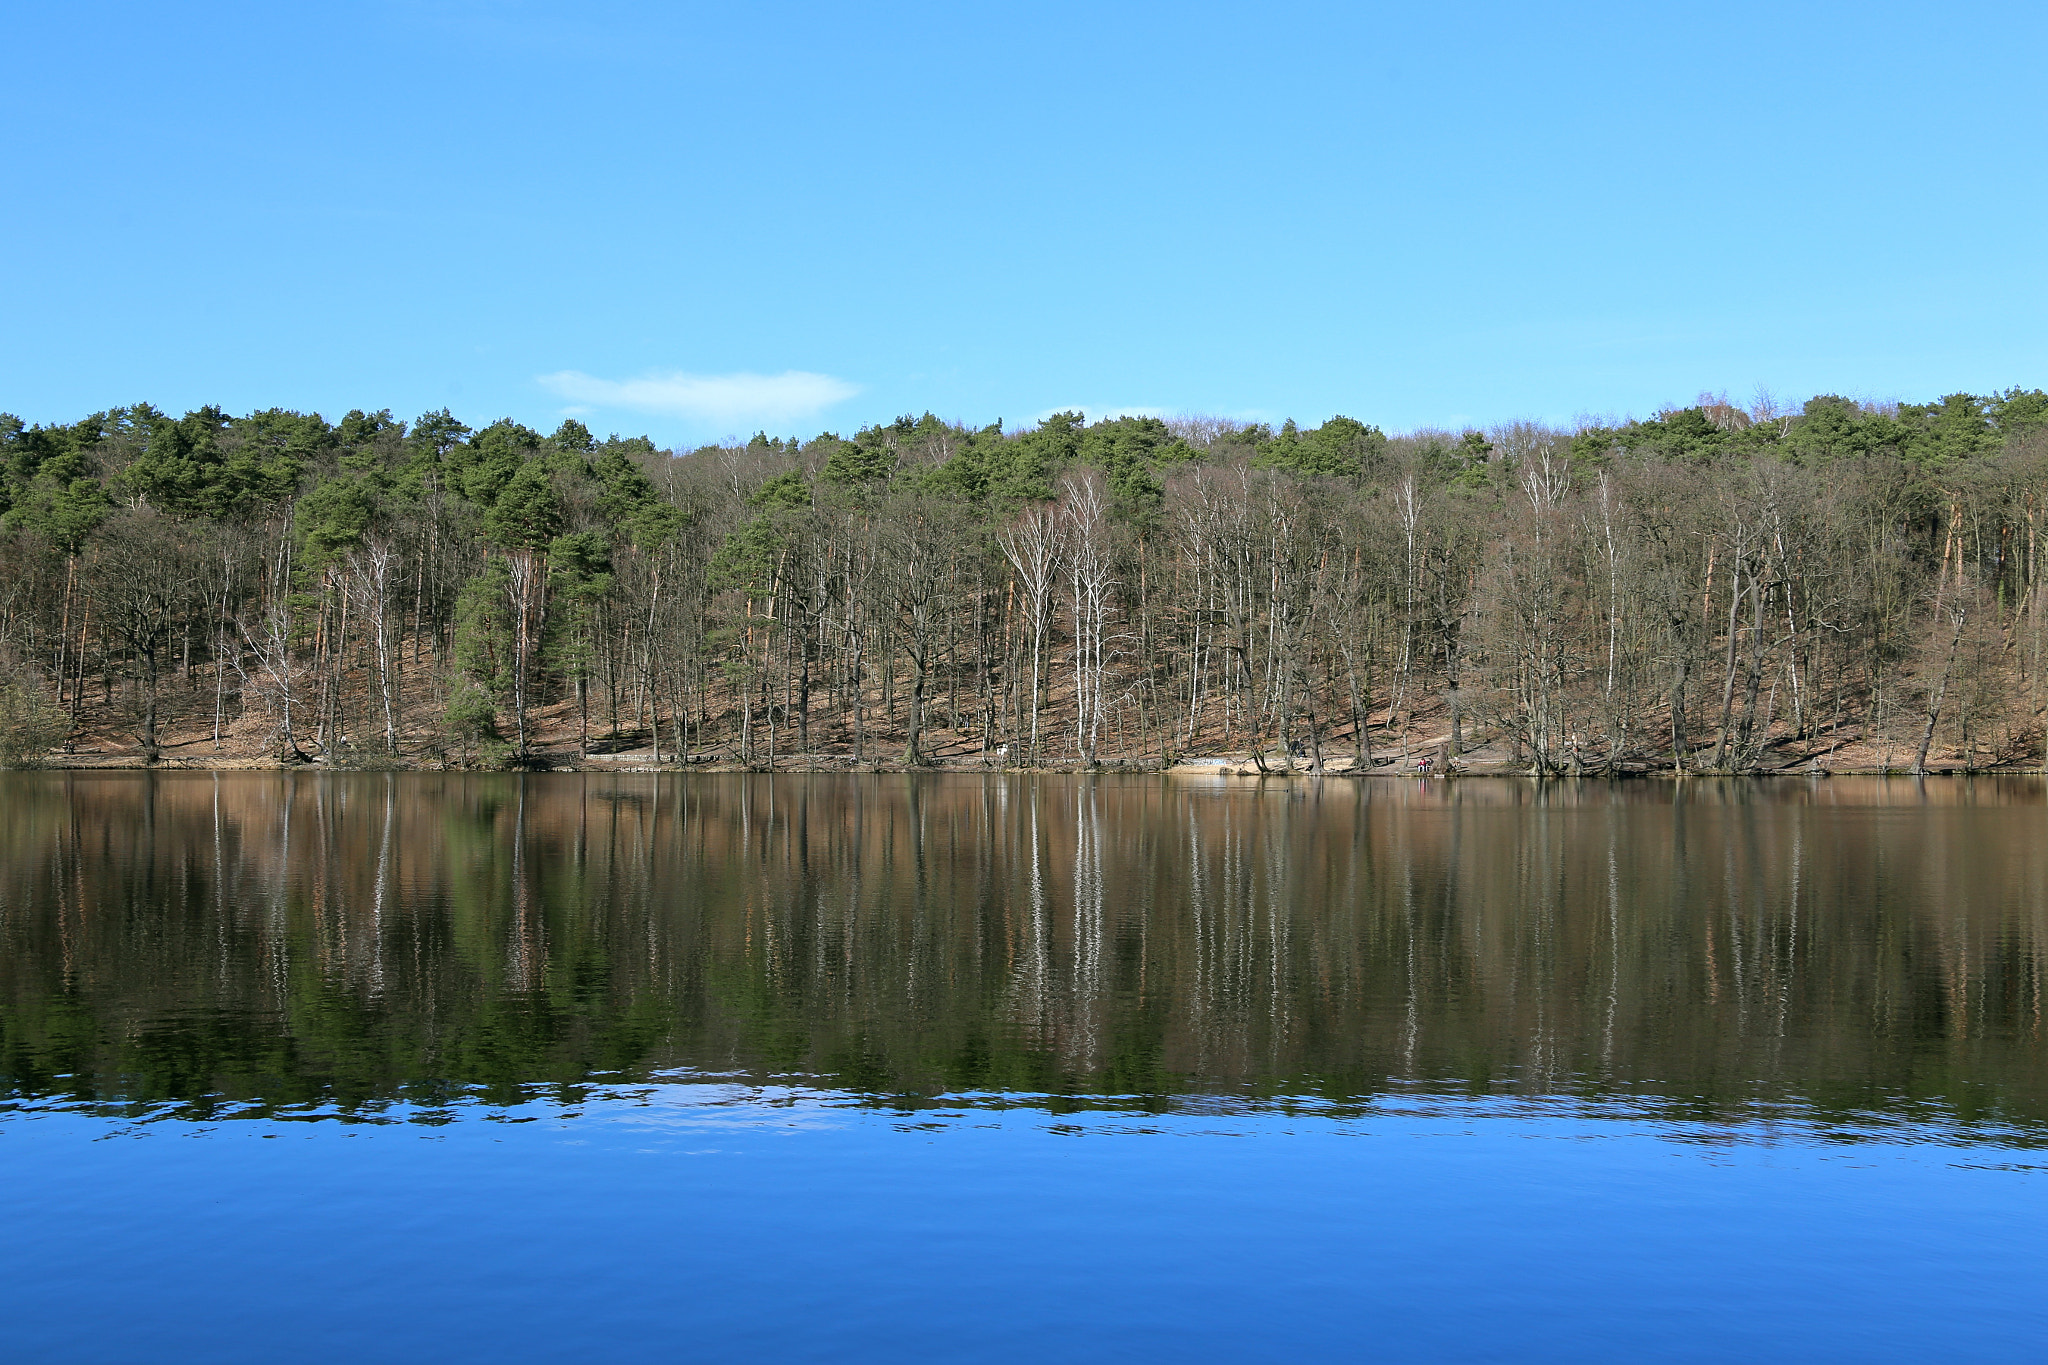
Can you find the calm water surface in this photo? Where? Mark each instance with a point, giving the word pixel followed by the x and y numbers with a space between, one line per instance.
pixel 614 1067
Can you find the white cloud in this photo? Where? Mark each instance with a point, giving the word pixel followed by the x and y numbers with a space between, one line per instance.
pixel 717 400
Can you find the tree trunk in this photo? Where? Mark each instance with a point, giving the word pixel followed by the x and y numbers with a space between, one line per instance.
pixel 1940 694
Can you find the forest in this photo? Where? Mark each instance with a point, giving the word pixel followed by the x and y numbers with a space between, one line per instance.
pixel 1715 589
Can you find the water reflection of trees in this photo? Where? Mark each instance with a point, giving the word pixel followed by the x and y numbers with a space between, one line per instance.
pixel 1854 946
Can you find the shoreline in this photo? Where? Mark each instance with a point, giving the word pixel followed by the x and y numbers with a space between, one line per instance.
pixel 1236 768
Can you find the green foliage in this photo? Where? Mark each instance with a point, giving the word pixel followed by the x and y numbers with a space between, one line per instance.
pixel 480 468
pixel 1057 440
pixel 786 492
pixel 1117 440
pixel 1957 427
pixel 1468 463
pixel 483 629
pixel 747 559
pixel 1829 428
pixel 527 513
pixel 1588 448
pixel 1834 428
pixel 2018 412
pixel 26 452
pixel 625 486
pixel 654 522
pixel 629 500
pixel 1685 434
pixel 861 466
pixel 1136 494
pixel 867 460
pixel 580 564
pixel 1018 471
pixel 204 466
pixel 961 478
pixel 368 438
pixel 579 577
pixel 332 519
pixel 1341 448
pixel 925 440
pixel 1128 451
pixel 180 470
pixel 361 428
pixel 62 502
pixel 572 435
pixel 275 448
pixel 968 474
pixel 1278 450
pixel 438 432
pixel 979 468
pixel 471 721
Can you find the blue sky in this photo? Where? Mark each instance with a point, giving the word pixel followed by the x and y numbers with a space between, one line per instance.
pixel 695 220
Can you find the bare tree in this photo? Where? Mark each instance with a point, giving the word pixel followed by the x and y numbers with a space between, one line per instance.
pixel 1036 547
pixel 370 569
pixel 1089 580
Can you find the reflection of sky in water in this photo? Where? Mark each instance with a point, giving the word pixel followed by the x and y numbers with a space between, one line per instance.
pixel 678 1104
pixel 720 1221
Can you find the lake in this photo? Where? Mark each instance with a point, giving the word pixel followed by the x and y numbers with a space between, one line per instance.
pixel 603 1067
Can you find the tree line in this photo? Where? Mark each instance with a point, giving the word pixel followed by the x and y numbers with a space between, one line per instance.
pixel 1715 589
